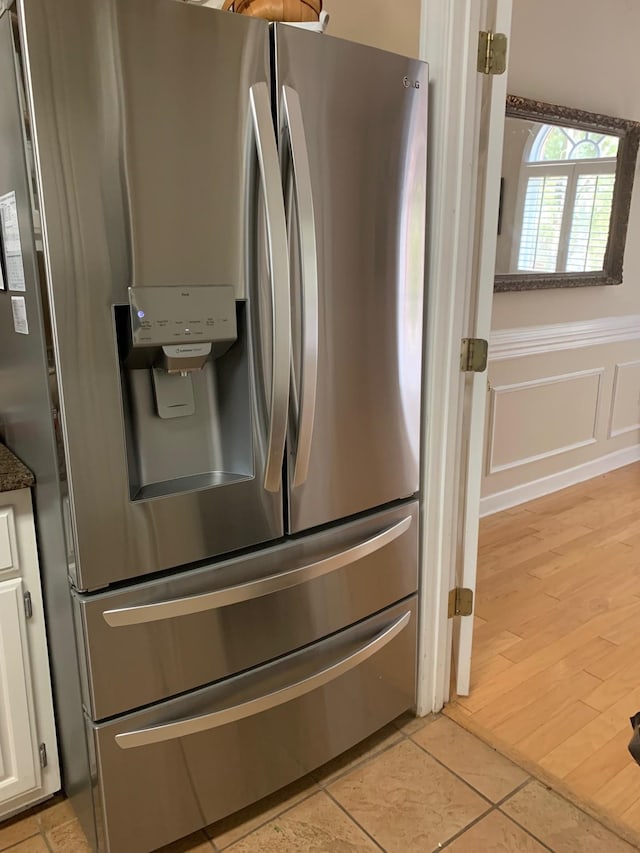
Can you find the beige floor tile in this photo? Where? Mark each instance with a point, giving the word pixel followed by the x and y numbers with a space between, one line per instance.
pixel 408 723
pixel 317 825
pixel 236 826
pixel 407 801
pixel 59 812
pixel 365 749
pixel 495 833
pixel 196 843
pixel 68 838
pixel 17 830
pixel 478 764
pixel 36 844
pixel 560 825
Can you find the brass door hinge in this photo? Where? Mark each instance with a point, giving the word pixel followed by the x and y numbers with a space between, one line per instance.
pixel 460 602
pixel 492 52
pixel 473 355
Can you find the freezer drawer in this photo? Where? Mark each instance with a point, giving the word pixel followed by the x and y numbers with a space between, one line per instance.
pixel 159 639
pixel 167 771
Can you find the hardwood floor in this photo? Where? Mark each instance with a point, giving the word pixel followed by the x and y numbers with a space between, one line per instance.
pixel 556 663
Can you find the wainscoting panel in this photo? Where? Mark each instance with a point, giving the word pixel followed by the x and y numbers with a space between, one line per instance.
pixel 563 405
pixel 625 403
pixel 539 418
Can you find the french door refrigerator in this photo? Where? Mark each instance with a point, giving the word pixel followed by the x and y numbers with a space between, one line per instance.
pixel 220 268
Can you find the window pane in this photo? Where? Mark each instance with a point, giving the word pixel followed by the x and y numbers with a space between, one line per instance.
pixel 555 144
pixel 541 223
pixel 590 223
pixel 585 150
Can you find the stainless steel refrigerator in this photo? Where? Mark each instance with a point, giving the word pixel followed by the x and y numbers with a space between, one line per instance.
pixel 221 248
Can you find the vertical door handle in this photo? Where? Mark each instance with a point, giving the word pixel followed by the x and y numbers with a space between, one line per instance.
pixel 270 178
pixel 309 273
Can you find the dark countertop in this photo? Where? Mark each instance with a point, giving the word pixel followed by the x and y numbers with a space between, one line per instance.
pixel 13 474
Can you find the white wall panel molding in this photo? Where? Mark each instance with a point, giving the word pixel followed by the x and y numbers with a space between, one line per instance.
pixel 538 340
pixel 553 483
pixel 520 429
pixel 624 416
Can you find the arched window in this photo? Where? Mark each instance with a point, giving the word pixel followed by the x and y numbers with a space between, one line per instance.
pixel 566 200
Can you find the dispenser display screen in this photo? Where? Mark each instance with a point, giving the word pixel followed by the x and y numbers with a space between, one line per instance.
pixel 180 315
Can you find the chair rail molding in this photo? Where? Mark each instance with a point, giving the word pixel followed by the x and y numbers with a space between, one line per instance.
pixel 553 337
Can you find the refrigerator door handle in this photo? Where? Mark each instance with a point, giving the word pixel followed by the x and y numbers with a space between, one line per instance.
pixel 206 722
pixel 292 112
pixel 270 178
pixel 146 613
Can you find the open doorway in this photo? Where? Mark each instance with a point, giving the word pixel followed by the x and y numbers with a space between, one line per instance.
pixel 555 673
pixel 556 664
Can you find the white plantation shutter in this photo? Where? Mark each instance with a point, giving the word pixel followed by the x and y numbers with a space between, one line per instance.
pixel 589 232
pixel 542 223
pixel 565 200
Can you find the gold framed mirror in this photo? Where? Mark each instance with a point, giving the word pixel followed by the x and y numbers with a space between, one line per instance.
pixel 567 181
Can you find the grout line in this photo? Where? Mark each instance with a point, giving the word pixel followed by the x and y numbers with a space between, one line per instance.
pixel 457 775
pixel 464 830
pixel 526 831
pixel 285 810
pixel 353 820
pixel 46 841
pixel 340 774
pixel 515 791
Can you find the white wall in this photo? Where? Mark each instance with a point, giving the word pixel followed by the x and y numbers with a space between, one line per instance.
pixel 569 410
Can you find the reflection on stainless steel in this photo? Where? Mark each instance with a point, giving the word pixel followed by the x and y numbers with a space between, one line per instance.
pixel 234 268
pixel 254 589
pixel 258 705
pixel 30 428
pixel 279 275
pixel 306 222
pixel 566 190
pixel 365 142
pixel 164 654
pixel 178 219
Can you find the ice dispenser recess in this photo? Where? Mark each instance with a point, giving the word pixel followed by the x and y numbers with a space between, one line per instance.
pixel 184 369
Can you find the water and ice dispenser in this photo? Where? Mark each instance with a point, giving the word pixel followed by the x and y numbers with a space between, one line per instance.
pixel 185 380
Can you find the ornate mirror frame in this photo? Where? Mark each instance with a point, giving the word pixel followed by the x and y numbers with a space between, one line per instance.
pixel 629 134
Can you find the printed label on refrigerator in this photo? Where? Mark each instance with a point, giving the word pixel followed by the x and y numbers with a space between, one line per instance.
pixel 19 311
pixel 14 267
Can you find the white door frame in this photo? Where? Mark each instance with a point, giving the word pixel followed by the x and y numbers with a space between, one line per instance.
pixel 449 42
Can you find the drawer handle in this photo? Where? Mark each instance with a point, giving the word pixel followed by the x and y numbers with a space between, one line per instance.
pixel 206 722
pixel 144 613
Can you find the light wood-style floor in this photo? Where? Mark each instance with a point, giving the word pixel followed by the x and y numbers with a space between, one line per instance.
pixel 556 663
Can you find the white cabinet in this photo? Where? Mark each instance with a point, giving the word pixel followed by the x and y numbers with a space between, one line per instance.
pixel 19 769
pixel 29 770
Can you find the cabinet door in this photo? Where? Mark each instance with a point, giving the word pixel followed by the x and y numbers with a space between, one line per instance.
pixel 19 766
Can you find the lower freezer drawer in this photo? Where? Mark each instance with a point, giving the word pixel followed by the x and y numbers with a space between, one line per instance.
pixel 167 771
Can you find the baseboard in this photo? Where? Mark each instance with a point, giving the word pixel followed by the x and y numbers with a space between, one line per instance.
pixel 546 485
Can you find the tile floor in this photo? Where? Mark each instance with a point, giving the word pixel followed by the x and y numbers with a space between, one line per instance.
pixel 418 785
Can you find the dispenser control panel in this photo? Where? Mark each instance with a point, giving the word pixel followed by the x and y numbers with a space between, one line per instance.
pixel 162 316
